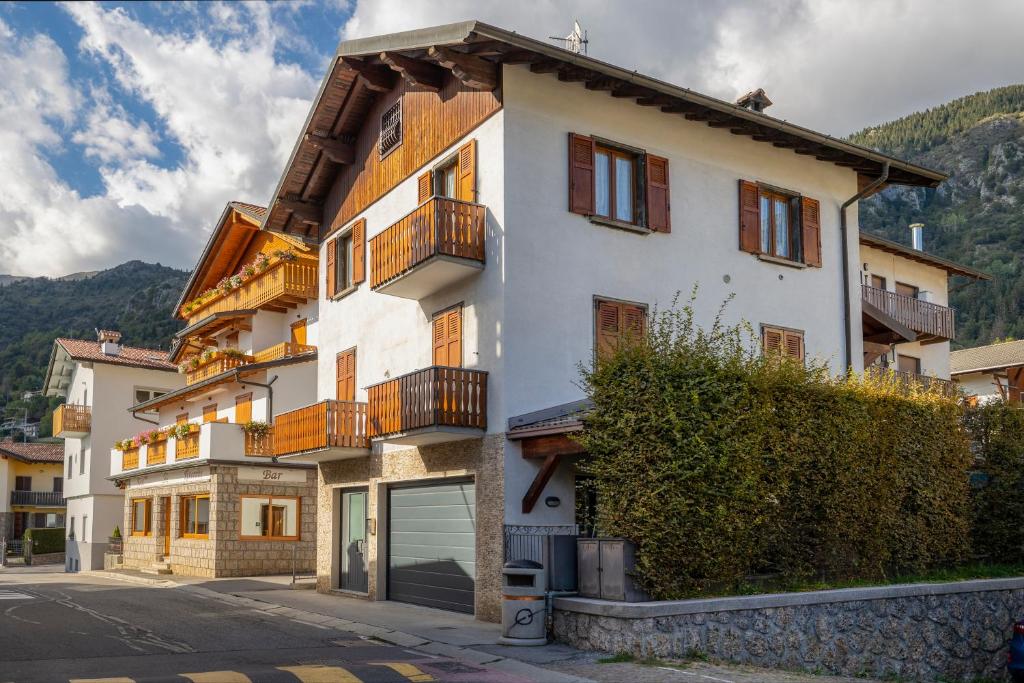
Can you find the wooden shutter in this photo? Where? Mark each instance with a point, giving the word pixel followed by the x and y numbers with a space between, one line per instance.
pixel 793 345
pixel 345 375
pixel 658 200
pixel 772 340
pixel 581 174
pixel 810 225
pixel 750 218
pixel 359 251
pixel 608 327
pixel 332 285
pixel 634 321
pixel 465 184
pixel 423 187
pixel 298 330
pixel 447 338
pixel 181 419
pixel 210 413
pixel 243 408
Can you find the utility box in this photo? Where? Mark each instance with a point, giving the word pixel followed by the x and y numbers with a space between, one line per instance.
pixel 605 565
pixel 523 608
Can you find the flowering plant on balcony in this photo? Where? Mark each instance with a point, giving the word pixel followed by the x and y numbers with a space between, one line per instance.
pixel 256 428
pixel 230 283
pixel 232 353
pixel 125 444
pixel 183 430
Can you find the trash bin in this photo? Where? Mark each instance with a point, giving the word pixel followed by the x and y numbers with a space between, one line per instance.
pixel 523 615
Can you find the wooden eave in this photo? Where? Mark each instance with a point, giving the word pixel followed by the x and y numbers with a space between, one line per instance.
pixel 364 67
pixel 911 254
pixel 881 328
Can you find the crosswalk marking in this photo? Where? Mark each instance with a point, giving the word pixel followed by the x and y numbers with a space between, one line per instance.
pixel 316 673
pixel 411 672
pixel 14 595
pixel 217 677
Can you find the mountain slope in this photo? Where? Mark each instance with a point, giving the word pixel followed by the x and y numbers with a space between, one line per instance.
pixel 135 298
pixel 977 216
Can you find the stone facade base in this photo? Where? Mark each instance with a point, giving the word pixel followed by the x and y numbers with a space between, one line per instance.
pixel 954 631
pixel 46 558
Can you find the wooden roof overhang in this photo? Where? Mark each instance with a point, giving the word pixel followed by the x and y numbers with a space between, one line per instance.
pixel 196 336
pixel 58 372
pixel 951 267
pixel 473 52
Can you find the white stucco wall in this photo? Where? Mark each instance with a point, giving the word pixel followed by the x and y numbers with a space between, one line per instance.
pixel 980 384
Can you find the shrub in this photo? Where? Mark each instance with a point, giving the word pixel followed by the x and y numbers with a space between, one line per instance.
pixel 997 531
pixel 720 462
pixel 45 540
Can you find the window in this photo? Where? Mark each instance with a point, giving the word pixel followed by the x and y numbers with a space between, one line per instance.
pixel 210 413
pixel 343 262
pixel 81 462
pixel 779 224
pixel 243 408
pixel 345 375
pixel 908 364
pixel 39 520
pixel 778 236
pixel 783 342
pixel 85 528
pixel 142 509
pixel 71 465
pixel 298 332
pixel 445 179
pixel 58 484
pixel 346 259
pixel 195 516
pixel 270 517
pixel 878 282
pixel 615 184
pixel 23 483
pixel 390 129
pixel 143 395
pixel 71 528
pixel 446 334
pixel 615 322
pixel 907 290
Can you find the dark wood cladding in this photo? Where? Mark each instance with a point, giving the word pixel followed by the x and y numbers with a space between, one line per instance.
pixel 437 396
pixel 431 122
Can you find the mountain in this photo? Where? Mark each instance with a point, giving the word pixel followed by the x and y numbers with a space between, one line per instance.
pixel 135 298
pixel 977 216
pixel 6 279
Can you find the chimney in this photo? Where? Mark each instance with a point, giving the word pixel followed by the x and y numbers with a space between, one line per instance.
pixel 108 340
pixel 755 100
pixel 917 236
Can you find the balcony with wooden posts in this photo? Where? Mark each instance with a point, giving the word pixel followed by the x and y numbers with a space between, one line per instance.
pixel 437 244
pixel 282 350
pixel 434 405
pixel 215 364
pixel 284 284
pixel 322 432
pixel 932 323
pixel 910 381
pixel 71 421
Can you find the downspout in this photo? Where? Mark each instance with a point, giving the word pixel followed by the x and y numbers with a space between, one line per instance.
pixel 875 184
pixel 142 419
pixel 270 393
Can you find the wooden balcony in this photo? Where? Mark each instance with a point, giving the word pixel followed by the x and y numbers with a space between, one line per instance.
pixel 259 446
pixel 188 447
pixel 932 322
pixel 282 350
pixel 433 405
pixel 71 421
pixel 283 285
pixel 325 431
pixel 156 453
pixel 217 364
pixel 130 459
pixel 438 244
pixel 911 380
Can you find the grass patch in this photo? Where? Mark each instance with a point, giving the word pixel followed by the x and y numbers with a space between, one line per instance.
pixel 620 658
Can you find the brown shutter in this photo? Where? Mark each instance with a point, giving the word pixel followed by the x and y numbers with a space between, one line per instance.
pixel 439 337
pixel 298 332
pixel 243 408
pixel 658 217
pixel 634 319
pixel 772 340
pixel 181 419
pixel 810 221
pixel 608 327
pixel 750 218
pixel 359 251
pixel 423 187
pixel 581 174
pixel 345 375
pixel 210 413
pixel 793 343
pixel 332 247
pixel 447 338
pixel 466 182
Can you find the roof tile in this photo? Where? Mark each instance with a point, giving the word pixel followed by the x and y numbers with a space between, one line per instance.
pixel 991 357
pixel 80 349
pixel 33 452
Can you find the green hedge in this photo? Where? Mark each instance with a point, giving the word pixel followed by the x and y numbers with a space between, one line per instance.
pixel 997 431
pixel 45 540
pixel 724 464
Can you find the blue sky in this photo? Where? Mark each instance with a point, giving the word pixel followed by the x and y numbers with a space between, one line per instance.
pixel 125 127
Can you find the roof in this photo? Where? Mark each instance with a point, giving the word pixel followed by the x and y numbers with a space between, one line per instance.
pixel 470 48
pixel 912 254
pixel 251 210
pixel 33 452
pixel 992 357
pixel 66 352
pixel 560 419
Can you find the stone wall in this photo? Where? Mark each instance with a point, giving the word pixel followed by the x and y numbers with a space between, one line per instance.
pixel 955 631
pixel 480 459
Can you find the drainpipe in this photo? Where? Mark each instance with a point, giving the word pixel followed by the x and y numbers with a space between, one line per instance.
pixel 270 393
pixel 875 184
pixel 142 419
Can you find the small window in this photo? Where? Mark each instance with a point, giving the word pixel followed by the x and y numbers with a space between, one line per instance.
pixel 878 282
pixel 23 483
pixel 195 516
pixel 71 528
pixel 908 364
pixel 780 341
pixel 343 260
pixel 210 413
pixel 907 290
pixel 391 129
pixel 616 321
pixel 270 518
pixel 780 234
pixel 142 509
pixel 615 181
pixel 81 462
pixel 58 484
pixel 143 395
pixel 85 528
pixel 445 179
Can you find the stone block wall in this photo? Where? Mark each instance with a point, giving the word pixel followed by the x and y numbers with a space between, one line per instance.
pixel 956 631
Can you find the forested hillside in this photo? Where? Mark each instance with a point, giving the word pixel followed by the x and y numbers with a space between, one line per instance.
pixel 977 216
pixel 135 298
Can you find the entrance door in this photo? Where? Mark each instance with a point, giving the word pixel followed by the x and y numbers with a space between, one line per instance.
pixel 165 505
pixel 353 541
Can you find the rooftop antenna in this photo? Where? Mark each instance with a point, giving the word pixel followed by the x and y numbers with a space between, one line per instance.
pixel 575 41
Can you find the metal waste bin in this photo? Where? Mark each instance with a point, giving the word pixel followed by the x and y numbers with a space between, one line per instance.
pixel 523 585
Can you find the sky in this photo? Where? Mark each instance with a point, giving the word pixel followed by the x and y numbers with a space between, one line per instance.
pixel 126 127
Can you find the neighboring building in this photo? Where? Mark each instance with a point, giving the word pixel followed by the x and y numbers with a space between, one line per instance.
pixel 208 501
pixel 100 380
pixel 991 372
pixel 491 211
pixel 907 322
pixel 31 486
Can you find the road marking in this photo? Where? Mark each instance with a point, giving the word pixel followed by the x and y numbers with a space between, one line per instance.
pixel 217 677
pixel 14 595
pixel 102 680
pixel 409 671
pixel 320 674
pixel 690 673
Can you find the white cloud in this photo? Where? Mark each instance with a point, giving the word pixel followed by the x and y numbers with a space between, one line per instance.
pixel 110 136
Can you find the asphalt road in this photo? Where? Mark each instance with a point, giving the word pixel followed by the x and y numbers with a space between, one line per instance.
pixel 59 627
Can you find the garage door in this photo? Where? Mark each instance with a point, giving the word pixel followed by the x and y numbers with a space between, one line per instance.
pixel 432 545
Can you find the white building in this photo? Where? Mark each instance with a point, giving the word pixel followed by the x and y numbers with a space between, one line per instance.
pixel 100 381
pixel 992 372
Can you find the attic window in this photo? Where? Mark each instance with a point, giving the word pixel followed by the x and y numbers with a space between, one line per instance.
pixel 391 129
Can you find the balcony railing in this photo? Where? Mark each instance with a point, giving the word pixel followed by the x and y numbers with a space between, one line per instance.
pixel 70 420
pixel 909 380
pixel 282 350
pixel 434 397
pixel 130 459
pixel 187 447
pixel 259 445
pixel 285 279
pixel 931 321
pixel 327 424
pixel 156 453
pixel 38 498
pixel 217 364
pixel 438 227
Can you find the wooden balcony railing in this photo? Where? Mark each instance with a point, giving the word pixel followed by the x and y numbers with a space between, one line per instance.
pixel 282 350
pixel 932 321
pixel 282 280
pixel 156 453
pixel 217 364
pixel 910 379
pixel 438 226
pixel 39 498
pixel 71 419
pixel 130 459
pixel 327 424
pixel 187 447
pixel 259 446
pixel 435 396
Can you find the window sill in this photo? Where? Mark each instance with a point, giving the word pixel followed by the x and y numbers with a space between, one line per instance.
pixel 621 225
pixel 343 293
pixel 768 258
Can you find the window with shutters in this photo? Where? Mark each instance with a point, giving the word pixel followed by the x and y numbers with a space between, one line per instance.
pixel 345 375
pixel 390 129
pixel 778 224
pixel 616 322
pixel 784 342
pixel 446 338
pixel 615 185
pixel 346 260
pixel 910 364
pixel 243 408
pixel 210 413
pixel 911 291
pixel 878 282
